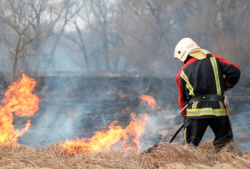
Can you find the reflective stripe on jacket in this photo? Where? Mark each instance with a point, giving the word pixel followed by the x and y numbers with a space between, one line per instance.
pixel 201 77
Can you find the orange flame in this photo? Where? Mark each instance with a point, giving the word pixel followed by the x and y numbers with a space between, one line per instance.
pixel 128 138
pixel 152 104
pixel 20 100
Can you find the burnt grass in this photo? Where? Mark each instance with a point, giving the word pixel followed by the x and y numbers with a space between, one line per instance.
pixel 91 103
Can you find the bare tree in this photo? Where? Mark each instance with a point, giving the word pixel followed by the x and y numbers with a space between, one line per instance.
pixel 26 24
pixel 96 38
pixel 150 30
pixel 100 10
pixel 131 35
pixel 64 14
pixel 17 34
pixel 84 16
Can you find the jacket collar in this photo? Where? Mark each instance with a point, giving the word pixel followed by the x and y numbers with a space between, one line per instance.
pixel 190 61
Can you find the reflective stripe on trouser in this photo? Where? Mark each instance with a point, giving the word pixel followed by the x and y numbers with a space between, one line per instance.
pixel 185 136
pixel 206 111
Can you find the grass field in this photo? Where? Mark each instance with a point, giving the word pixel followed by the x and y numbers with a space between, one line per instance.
pixel 164 156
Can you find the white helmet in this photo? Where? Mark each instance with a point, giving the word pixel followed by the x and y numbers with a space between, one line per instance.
pixel 183 48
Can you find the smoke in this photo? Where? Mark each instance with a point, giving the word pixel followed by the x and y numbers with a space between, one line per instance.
pixel 76 106
pixel 76 102
pixel 160 128
pixel 71 107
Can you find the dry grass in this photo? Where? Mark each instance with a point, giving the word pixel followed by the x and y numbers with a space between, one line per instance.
pixel 165 156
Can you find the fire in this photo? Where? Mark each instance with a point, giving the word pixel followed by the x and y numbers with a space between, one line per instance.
pixel 152 104
pixel 20 100
pixel 127 139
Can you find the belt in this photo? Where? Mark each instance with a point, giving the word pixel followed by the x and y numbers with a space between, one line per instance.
pixel 207 97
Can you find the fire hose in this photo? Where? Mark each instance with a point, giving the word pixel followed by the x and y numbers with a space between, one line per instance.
pixel 176 133
pixel 164 136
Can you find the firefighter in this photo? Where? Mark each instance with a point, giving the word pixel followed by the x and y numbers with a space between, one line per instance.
pixel 201 83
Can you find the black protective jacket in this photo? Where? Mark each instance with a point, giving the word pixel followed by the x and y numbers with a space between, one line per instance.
pixel 212 75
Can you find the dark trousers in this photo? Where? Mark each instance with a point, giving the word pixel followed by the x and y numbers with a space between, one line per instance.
pixel 195 129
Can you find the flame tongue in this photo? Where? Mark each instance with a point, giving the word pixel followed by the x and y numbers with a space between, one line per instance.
pixel 99 141
pixel 106 139
pixel 20 100
pixel 152 104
